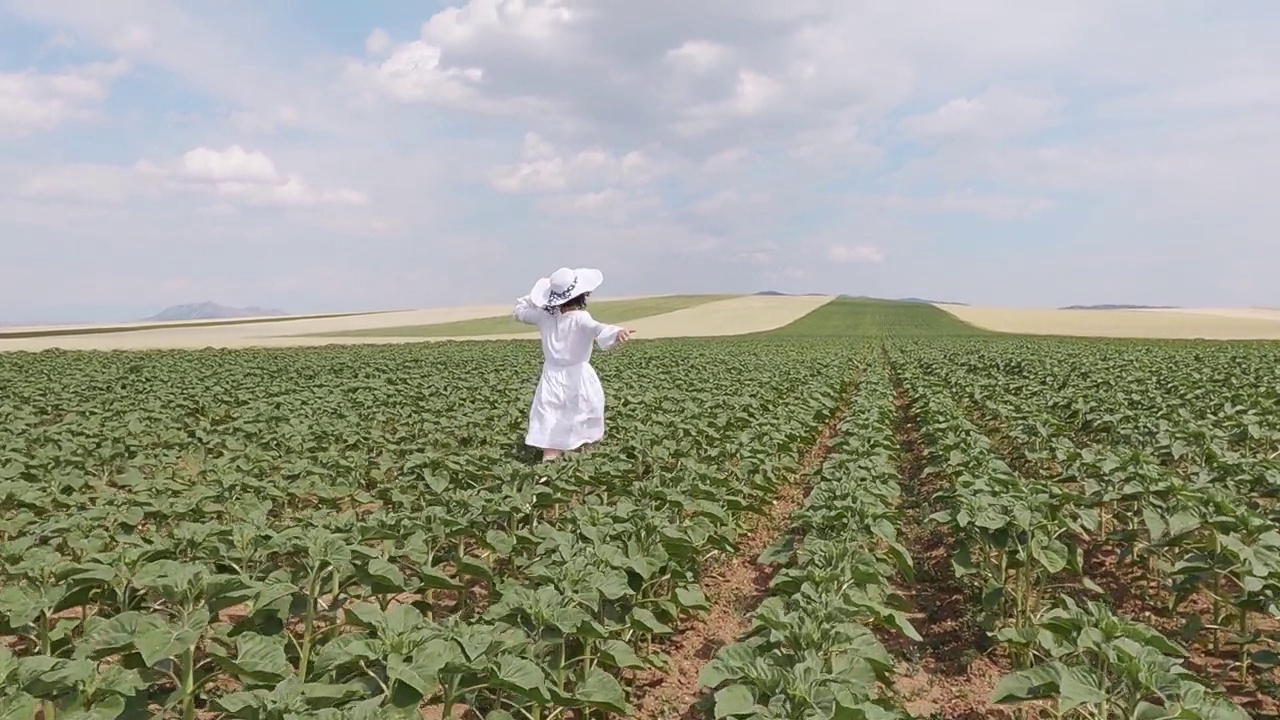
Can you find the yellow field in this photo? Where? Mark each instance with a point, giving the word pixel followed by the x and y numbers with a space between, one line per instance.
pixel 737 315
pixel 614 312
pixel 1209 324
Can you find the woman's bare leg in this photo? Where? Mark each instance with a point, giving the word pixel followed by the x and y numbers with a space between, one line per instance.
pixel 549 454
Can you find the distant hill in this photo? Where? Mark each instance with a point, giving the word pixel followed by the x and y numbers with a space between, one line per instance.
pixel 931 302
pixel 775 293
pixel 1120 307
pixel 922 301
pixel 210 311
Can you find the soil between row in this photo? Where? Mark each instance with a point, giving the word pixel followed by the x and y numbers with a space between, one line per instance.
pixel 734 587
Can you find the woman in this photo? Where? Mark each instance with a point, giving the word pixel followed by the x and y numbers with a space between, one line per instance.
pixel 568 406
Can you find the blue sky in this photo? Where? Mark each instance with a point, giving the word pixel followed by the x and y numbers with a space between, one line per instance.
pixel 318 156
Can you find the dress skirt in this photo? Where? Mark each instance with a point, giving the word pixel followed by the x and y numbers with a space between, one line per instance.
pixel 568 408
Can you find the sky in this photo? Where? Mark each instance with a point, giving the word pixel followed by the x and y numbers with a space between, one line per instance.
pixel 325 155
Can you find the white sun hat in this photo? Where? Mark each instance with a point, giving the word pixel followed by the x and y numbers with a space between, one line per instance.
pixel 563 285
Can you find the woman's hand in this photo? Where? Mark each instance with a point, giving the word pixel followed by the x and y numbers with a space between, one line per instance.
pixel 624 335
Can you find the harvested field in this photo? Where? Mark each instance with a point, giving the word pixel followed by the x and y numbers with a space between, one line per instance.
pixel 733 316
pixel 1248 313
pixel 737 316
pixel 37 331
pixel 242 334
pixel 608 311
pixel 1137 324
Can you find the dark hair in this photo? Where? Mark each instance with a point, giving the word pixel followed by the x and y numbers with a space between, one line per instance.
pixel 577 302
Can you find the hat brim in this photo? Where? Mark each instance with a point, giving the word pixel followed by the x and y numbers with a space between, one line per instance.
pixel 588 280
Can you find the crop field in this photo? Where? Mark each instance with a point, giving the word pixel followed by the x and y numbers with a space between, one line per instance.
pixel 874 512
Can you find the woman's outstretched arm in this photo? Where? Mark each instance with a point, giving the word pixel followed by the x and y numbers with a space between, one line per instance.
pixel 607 336
pixel 528 313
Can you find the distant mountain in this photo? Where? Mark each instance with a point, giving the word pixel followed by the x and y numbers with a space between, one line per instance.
pixel 210 311
pixel 1120 307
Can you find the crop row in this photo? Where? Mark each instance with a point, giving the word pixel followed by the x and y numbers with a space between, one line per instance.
pixel 1020 541
pixel 1198 516
pixel 1213 395
pixel 325 532
pixel 813 649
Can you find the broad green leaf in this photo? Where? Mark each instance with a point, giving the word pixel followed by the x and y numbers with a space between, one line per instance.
pixel 259 659
pixel 1148 711
pixel 734 701
pixel 779 552
pixel 648 622
pixel 1078 686
pixel 692 598
pixel 1052 555
pixel 168 641
pixel 619 654
pixel 522 676
pixel 420 672
pixel 1033 684
pixel 601 690
pixel 385 574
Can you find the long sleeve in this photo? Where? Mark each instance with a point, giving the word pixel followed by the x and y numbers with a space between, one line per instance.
pixel 526 312
pixel 606 336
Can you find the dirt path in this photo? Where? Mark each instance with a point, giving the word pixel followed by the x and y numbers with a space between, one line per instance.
pixel 734 587
pixel 950 674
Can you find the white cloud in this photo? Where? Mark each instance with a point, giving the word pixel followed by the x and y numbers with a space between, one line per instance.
pixel 265 122
pixel 216 56
pixel 291 191
pixel 611 205
pixel 720 202
pixel 854 254
pixel 538 20
pixel 94 184
pixel 753 93
pixel 423 70
pixel 726 162
pixel 134 38
pixel 995 206
pixel 378 42
pixel 233 175
pixel 31 101
pixel 250 177
pixel 759 254
pixel 415 72
pixel 995 114
pixel 61 39
pixel 698 55
pixel 842 142
pixel 542 169
pixel 234 164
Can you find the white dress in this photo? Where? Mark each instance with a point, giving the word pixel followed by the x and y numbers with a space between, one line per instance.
pixel 568 406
